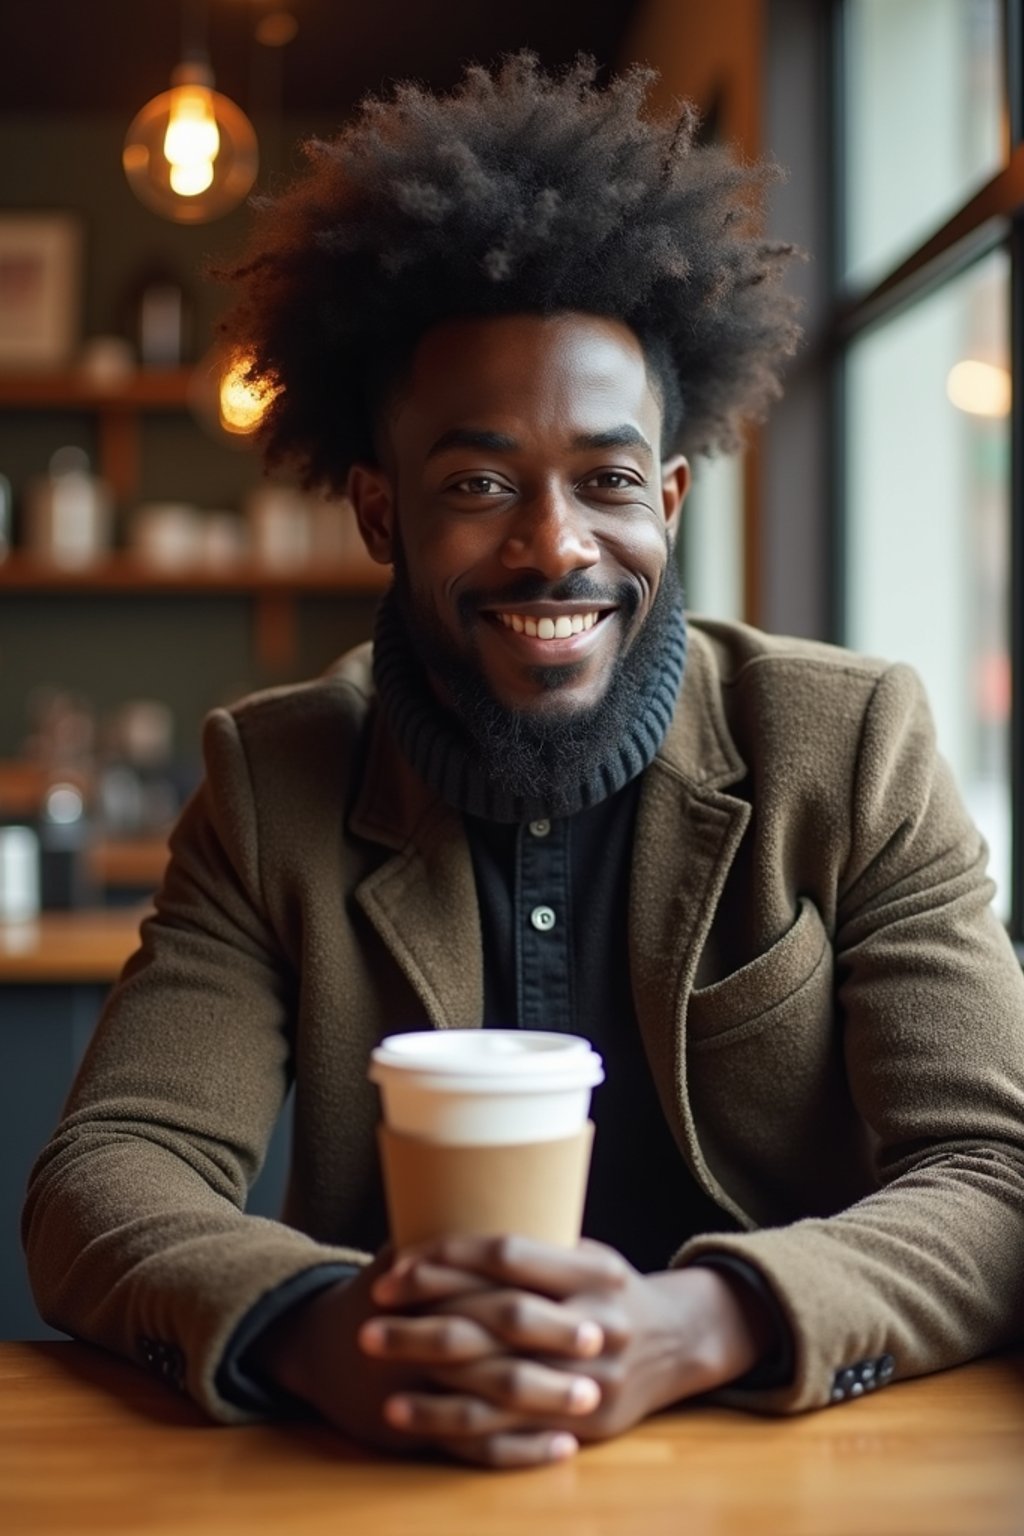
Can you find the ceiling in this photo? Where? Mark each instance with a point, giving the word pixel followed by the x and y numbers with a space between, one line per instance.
pixel 111 56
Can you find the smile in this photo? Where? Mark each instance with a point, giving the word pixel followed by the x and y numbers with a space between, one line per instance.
pixel 548 628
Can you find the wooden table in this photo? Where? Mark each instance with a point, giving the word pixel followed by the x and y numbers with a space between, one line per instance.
pixel 60 947
pixel 89 1444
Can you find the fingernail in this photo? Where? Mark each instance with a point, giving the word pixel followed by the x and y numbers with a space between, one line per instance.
pixel 398 1411
pixel 589 1339
pixel 372 1338
pixel 584 1394
pixel 563 1446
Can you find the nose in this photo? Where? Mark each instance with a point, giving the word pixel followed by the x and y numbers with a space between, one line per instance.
pixel 549 534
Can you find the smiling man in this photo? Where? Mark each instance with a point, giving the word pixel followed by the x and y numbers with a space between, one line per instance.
pixel 500 320
pixel 524 505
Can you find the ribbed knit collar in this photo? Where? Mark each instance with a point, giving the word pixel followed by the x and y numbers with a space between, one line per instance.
pixel 446 758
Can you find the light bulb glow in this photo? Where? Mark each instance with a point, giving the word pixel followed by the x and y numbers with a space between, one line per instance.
pixel 190 180
pixel 190 154
pixel 192 140
pixel 243 402
pixel 980 389
pixel 192 132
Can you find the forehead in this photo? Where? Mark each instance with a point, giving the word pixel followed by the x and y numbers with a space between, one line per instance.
pixel 530 375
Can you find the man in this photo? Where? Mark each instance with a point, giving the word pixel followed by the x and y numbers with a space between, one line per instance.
pixel 735 863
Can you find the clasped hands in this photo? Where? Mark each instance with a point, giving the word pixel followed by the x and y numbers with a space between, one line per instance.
pixel 506 1352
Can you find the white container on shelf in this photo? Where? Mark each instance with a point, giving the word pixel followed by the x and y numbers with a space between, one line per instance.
pixel 19 874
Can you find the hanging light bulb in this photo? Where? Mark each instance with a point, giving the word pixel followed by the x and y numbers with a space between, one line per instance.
pixel 191 153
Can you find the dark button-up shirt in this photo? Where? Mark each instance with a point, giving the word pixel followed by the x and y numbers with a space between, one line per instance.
pixel 553 911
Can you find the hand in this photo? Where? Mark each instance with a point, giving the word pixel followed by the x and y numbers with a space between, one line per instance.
pixel 318 1352
pixel 652 1340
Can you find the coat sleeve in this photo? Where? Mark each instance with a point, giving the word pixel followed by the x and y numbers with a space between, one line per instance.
pixel 134 1228
pixel 927 1271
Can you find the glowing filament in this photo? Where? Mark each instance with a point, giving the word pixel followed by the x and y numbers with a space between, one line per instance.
pixel 192 140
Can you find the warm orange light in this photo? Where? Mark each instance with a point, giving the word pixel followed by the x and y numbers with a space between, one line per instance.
pixel 981 389
pixel 243 401
pixel 191 140
pixel 191 153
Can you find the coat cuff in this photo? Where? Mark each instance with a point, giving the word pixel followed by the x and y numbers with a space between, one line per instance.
pixel 237 1381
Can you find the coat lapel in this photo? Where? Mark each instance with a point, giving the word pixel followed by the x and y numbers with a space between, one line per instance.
pixel 688 831
pixel 421 901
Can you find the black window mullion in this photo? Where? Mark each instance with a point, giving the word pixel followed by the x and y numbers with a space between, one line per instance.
pixel 1013 32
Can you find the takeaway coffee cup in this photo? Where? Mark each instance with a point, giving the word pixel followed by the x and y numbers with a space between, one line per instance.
pixel 485 1131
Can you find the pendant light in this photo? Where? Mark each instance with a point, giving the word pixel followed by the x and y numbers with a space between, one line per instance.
pixel 191 153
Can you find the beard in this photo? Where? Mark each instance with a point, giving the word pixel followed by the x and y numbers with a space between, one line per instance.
pixel 536 755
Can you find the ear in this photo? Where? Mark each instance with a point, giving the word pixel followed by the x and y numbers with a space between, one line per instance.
pixel 369 490
pixel 675 482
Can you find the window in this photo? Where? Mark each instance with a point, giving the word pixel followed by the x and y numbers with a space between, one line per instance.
pixel 929 205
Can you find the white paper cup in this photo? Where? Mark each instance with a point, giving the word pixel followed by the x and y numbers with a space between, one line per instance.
pixel 486 1087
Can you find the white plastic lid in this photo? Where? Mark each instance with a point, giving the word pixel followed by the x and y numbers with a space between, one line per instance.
pixel 482 1059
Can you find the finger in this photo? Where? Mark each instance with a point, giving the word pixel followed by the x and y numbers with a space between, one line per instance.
pixel 426 1340
pixel 531 1324
pixel 446 1416
pixel 523 1387
pixel 413 1280
pixel 516 1449
pixel 520 1261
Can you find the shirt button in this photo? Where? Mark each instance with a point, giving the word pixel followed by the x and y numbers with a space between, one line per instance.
pixel 543 919
pixel 540 828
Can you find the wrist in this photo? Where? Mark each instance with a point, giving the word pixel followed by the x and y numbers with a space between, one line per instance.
pixel 279 1356
pixel 722 1327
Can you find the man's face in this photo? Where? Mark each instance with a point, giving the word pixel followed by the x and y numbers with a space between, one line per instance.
pixel 522 499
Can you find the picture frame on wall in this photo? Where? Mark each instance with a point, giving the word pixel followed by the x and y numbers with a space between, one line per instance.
pixel 40 289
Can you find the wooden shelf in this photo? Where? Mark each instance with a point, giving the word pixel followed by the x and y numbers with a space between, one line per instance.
pixel 123 573
pixel 117 409
pixel 156 389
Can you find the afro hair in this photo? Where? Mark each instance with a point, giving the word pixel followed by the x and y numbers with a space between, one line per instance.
pixel 519 192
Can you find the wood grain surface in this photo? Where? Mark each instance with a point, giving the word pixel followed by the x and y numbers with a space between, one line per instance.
pixel 90 1444
pixel 69 946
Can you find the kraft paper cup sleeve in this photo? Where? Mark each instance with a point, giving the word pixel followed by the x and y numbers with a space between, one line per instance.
pixel 532 1189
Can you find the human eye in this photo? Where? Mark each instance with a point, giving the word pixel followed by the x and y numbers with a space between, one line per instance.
pixel 480 485
pixel 615 480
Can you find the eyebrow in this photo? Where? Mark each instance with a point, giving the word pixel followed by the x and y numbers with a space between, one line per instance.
pixel 467 437
pixel 624 436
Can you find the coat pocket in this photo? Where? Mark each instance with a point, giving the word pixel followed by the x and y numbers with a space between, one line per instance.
pixel 744 1001
pixel 767 1082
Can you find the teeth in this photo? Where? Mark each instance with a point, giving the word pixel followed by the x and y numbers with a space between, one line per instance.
pixel 549 629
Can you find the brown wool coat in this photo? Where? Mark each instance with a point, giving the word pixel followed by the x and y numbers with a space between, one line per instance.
pixel 834 1017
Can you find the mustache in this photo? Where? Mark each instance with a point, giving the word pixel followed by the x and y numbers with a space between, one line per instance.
pixel 576 587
